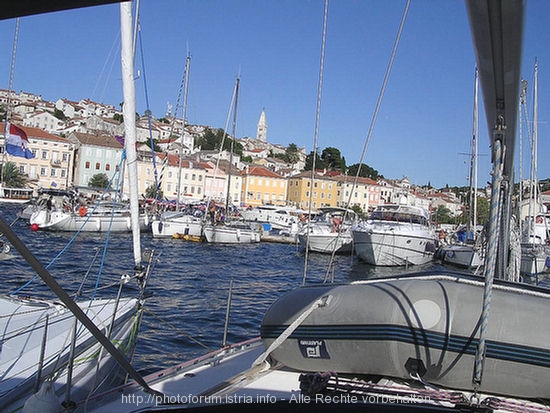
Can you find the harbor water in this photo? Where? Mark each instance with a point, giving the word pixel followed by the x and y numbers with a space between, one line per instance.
pixel 189 285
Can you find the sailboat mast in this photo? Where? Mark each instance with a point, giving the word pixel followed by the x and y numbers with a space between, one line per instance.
pixel 534 148
pixel 472 220
pixel 128 111
pixel 227 198
pixel 184 115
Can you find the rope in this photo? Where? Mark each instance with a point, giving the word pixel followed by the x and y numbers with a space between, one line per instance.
pixel 151 142
pixel 514 265
pixel 321 302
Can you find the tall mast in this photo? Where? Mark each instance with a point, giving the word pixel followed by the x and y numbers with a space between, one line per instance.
pixel 227 202
pixel 128 111
pixel 180 159
pixel 472 221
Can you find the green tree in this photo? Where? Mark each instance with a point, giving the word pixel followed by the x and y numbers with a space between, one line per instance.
pixel 291 153
pixel 333 159
pixel 482 211
pixel 365 171
pixel 319 163
pixel 59 114
pixel 443 215
pixel 99 181
pixel 12 176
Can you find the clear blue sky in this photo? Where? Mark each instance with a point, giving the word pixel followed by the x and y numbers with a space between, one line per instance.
pixel 424 126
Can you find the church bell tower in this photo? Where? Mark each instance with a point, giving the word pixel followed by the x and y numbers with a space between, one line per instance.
pixel 261 131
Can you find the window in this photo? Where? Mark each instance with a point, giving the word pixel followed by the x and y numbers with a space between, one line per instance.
pixel 107 167
pixel 97 166
pixel 87 166
pixel 52 173
pixel 43 171
pixel 44 154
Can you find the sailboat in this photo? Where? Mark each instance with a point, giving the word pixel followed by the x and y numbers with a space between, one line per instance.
pixel 58 352
pixel 179 223
pixel 229 229
pixel 534 232
pixel 422 342
pixel 469 252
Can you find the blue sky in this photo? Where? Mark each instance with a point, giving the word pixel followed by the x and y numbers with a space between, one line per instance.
pixel 424 126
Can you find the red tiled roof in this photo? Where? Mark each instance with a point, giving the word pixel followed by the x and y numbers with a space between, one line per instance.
pixel 36 133
pixel 260 171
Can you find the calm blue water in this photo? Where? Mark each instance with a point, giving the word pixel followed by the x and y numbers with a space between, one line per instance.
pixel 189 283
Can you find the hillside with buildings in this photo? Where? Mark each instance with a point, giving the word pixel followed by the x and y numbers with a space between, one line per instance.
pixel 73 141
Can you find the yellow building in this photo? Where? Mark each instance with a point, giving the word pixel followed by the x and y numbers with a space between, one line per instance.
pixel 322 190
pixel 260 186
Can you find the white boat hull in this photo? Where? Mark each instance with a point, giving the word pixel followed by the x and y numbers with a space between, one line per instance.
pixel 22 340
pixel 72 222
pixel 184 224
pixel 278 217
pixel 534 259
pixel 394 245
pixel 461 255
pixel 327 243
pixel 425 324
pixel 222 234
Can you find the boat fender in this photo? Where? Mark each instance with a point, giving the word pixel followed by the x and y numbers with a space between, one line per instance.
pixel 43 401
pixel 450 254
pixel 82 211
pixel 6 248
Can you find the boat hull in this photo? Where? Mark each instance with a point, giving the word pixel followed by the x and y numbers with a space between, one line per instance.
pixel 534 259
pixel 72 222
pixel 327 243
pixel 393 245
pixel 221 234
pixel 429 321
pixel 180 224
pixel 26 328
pixel 461 255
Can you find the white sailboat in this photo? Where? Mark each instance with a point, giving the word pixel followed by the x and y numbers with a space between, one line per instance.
pixel 179 223
pixel 55 353
pixel 102 217
pixel 469 253
pixel 231 229
pixel 534 231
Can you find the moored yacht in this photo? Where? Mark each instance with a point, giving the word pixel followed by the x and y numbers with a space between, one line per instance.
pixel 395 235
